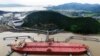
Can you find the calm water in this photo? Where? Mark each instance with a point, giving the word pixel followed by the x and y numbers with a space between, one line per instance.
pixel 94 46
pixel 20 9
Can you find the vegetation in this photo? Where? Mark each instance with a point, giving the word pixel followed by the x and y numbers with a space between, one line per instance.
pixel 49 20
pixel 85 25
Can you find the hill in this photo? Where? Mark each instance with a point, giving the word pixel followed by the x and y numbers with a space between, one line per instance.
pixel 77 6
pixel 2 12
pixel 49 20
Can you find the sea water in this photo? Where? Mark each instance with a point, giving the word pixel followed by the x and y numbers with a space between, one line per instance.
pixel 21 9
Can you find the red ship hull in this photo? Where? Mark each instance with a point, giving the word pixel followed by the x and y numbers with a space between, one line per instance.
pixel 54 48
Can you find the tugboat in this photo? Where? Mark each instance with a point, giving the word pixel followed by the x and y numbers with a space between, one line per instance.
pixel 48 47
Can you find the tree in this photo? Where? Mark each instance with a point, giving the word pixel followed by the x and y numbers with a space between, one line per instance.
pixel 49 20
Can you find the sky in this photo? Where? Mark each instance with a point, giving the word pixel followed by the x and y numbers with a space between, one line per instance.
pixel 39 4
pixel 46 2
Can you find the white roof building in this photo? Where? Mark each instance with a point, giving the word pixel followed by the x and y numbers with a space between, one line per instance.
pixel 8 14
pixel 1 17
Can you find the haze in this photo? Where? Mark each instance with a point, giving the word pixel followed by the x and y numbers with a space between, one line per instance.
pixel 47 2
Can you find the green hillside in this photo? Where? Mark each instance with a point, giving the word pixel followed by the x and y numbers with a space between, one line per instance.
pixel 49 20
